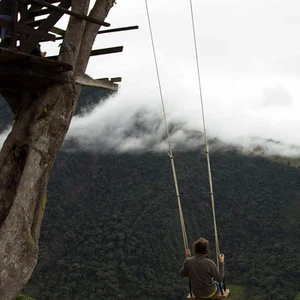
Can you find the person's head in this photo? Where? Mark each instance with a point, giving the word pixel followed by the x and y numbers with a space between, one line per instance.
pixel 201 246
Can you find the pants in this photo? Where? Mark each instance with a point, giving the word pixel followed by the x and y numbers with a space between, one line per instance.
pixel 4 30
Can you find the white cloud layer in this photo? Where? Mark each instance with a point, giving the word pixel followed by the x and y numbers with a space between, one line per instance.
pixel 249 63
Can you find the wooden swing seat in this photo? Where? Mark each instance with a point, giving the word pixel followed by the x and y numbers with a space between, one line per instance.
pixel 216 296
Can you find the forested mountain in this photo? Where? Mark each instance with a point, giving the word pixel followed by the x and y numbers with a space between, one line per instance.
pixel 111 228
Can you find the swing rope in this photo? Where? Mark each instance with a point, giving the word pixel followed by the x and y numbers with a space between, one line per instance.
pixel 205 139
pixel 170 153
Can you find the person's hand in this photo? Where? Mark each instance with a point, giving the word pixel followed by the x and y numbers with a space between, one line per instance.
pixel 188 253
pixel 221 258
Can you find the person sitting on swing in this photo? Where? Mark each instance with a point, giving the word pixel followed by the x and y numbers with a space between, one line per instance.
pixel 202 271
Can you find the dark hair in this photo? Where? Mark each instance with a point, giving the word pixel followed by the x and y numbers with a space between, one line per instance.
pixel 201 246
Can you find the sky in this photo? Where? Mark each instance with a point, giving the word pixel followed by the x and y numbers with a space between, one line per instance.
pixel 249 59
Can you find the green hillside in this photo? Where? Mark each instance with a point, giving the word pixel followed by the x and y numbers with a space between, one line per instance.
pixel 111 228
pixel 297 297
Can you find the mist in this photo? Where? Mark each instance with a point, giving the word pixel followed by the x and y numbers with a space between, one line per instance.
pixel 249 79
pixel 134 122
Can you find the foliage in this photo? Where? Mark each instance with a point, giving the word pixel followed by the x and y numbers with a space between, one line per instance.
pixel 23 297
pixel 297 297
pixel 112 230
pixel 237 292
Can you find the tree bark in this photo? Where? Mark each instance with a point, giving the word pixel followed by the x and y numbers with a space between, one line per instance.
pixel 27 156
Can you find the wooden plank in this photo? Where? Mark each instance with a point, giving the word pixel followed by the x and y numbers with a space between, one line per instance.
pixel 216 296
pixel 105 84
pixel 107 50
pixel 16 57
pixel 28 30
pixel 62 32
pixel 13 38
pixel 116 79
pixel 110 30
pixel 119 29
pixel 97 52
pixel 23 9
pixel 36 32
pixel 39 12
pixel 21 74
pixel 45 26
pixel 57 31
pixel 71 13
pixel 35 23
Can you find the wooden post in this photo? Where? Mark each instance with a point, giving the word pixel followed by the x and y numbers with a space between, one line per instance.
pixel 13 39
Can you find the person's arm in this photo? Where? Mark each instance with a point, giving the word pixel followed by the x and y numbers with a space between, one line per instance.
pixel 221 266
pixel 215 273
pixel 184 269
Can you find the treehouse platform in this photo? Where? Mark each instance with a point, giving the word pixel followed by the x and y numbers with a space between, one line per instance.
pixel 24 24
pixel 21 70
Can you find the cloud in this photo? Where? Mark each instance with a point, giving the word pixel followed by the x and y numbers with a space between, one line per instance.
pixel 249 58
pixel 276 96
pixel 124 126
pixel 268 147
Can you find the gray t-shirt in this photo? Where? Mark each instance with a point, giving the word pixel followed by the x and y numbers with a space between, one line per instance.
pixel 201 270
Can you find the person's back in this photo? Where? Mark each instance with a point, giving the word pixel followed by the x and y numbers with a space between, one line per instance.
pixel 201 270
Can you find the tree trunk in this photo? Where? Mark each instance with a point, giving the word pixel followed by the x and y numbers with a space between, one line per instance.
pixel 41 123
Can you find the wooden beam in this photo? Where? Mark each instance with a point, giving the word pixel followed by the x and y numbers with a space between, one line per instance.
pixel 14 57
pixel 116 79
pixel 28 30
pixel 21 74
pixel 109 30
pixel 52 19
pixel 98 52
pixel 62 32
pixel 39 12
pixel 107 51
pixel 118 29
pixel 105 84
pixel 68 12
pixel 34 23
pixel 13 38
pixel 23 9
pixel 57 31
pixel 35 32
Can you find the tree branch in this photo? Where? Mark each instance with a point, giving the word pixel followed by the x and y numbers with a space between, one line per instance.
pixel 99 11
pixel 74 33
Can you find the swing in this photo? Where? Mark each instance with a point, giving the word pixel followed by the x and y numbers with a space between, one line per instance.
pixel 218 295
pixel 222 294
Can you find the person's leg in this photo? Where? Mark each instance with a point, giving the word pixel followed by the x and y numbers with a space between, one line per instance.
pixel 4 30
pixel 218 285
